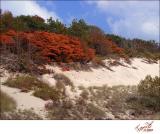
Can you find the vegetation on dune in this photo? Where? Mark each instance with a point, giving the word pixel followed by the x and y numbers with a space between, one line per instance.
pixel 48 93
pixel 50 46
pixel 26 83
pixel 63 79
pixel 117 102
pixel 30 42
pixel 6 103
pixel 149 90
pixel 40 89
pixel 147 96
pixel 150 86
pixel 33 42
pixel 137 47
pixel 20 115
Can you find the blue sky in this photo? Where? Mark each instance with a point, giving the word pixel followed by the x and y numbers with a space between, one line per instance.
pixel 76 9
pixel 131 19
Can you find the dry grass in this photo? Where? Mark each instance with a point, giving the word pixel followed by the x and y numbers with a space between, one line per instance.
pixel 64 79
pixel 6 103
pixel 20 115
pixel 67 110
pixel 26 83
pixel 48 93
pixel 42 90
pixel 117 102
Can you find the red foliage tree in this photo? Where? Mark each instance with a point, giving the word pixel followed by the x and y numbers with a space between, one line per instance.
pixel 7 40
pixel 102 45
pixel 51 46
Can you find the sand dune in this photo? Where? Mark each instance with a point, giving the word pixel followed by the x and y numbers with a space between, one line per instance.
pixel 121 75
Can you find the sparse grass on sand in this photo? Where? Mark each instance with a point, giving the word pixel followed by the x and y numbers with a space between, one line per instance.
pixel 25 83
pixel 20 115
pixel 117 102
pixel 42 90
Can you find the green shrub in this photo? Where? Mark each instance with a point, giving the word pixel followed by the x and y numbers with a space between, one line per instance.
pixel 149 90
pixel 150 87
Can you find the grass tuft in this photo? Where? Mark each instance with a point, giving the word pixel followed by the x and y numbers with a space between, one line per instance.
pixel 6 103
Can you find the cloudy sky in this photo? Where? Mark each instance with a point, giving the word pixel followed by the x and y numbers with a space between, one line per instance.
pixel 131 19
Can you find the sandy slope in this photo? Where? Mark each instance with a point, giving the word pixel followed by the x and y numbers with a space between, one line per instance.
pixel 25 100
pixel 120 75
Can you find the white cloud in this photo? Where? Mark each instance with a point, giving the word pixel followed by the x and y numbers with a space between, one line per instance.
pixel 27 8
pixel 132 19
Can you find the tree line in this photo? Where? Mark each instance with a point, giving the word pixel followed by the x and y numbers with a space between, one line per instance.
pixel 93 37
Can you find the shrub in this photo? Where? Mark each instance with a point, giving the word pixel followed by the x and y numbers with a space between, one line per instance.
pixel 48 93
pixel 60 85
pixel 6 103
pixel 17 59
pixel 48 46
pixel 42 90
pixel 61 78
pixel 102 45
pixel 93 103
pixel 98 61
pixel 149 90
pixel 95 112
pixel 25 83
pixel 67 110
pixel 149 86
pixel 77 66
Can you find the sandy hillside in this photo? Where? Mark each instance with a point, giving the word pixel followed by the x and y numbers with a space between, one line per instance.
pixel 121 75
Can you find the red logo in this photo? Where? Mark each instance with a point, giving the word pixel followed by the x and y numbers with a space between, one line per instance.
pixel 146 127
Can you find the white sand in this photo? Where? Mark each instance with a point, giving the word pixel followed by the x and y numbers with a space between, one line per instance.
pixel 48 78
pixel 25 100
pixel 119 76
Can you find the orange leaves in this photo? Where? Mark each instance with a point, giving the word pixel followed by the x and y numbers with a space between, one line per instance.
pixel 53 47
pixel 119 51
pixel 11 33
pixel 103 46
pixel 91 54
pixel 7 40
pixel 114 48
